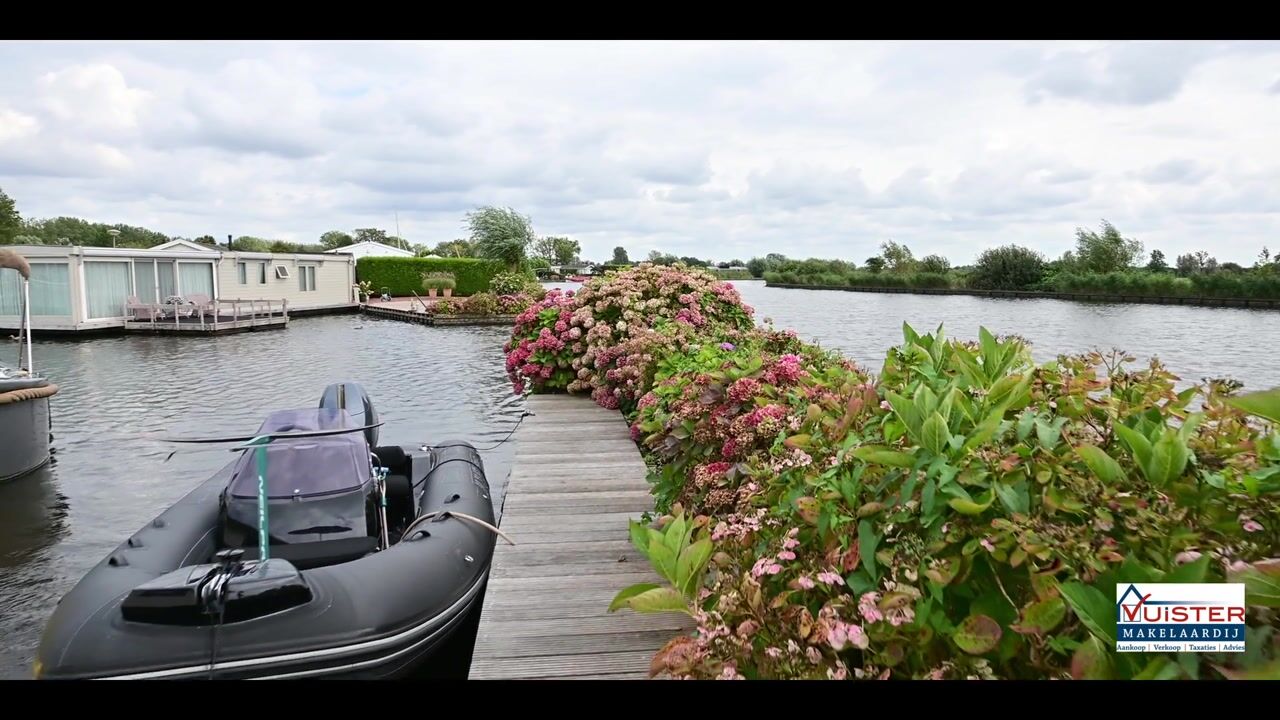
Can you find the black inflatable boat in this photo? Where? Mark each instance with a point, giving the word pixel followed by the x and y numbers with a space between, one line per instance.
pixel 374 557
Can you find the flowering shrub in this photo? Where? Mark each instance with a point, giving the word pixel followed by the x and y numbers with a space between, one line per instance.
pixel 510 283
pixel 605 338
pixel 968 516
pixel 483 304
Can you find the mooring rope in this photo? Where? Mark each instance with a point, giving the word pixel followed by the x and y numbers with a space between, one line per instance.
pixel 24 394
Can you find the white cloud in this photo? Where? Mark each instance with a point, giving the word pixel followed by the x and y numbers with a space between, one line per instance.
pixel 726 149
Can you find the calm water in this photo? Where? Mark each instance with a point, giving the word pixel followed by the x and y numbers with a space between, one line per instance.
pixel 1193 342
pixel 427 384
pixel 431 384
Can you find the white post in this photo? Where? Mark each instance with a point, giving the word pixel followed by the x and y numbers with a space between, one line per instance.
pixel 26 311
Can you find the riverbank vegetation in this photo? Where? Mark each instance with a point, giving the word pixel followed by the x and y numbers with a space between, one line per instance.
pixel 1102 262
pixel 964 513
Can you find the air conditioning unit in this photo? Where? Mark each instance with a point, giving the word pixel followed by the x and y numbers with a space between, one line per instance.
pixel 282 272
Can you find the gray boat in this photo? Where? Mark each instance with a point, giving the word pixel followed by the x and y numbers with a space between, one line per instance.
pixel 24 394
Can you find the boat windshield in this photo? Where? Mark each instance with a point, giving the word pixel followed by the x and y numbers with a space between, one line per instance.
pixel 301 467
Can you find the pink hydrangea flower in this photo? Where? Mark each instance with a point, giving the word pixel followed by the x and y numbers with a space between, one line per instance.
pixel 829 578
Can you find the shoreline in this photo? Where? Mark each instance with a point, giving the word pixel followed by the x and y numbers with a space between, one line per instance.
pixel 1200 301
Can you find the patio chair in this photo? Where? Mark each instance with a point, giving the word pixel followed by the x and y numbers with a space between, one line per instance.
pixel 138 310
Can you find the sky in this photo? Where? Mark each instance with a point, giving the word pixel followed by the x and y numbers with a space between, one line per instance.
pixel 721 150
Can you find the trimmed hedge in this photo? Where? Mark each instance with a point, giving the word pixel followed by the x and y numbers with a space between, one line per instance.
pixel 403 276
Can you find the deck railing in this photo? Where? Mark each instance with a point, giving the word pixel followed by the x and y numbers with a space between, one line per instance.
pixel 210 314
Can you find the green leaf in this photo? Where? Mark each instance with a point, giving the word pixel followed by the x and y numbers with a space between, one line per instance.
pixel 1192 572
pixel 1093 608
pixel 1041 617
pixel 1265 403
pixel 673 535
pixel 620 600
pixel 926 497
pixel 1092 661
pixel 934 434
pixel 663 560
pixel 1159 668
pixel 925 400
pixel 1047 434
pixel 879 455
pixel 662 599
pixel 1101 464
pixel 985 429
pixel 1261 583
pixel 1014 496
pixel 1003 390
pixel 990 352
pixel 907 412
pixel 1025 423
pixel 867 542
pixel 690 564
pixel 970 507
pixel 1137 444
pixel 977 635
pixel 1168 458
pixel 640 537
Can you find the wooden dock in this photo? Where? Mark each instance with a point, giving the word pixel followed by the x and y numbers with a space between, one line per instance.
pixel 577 478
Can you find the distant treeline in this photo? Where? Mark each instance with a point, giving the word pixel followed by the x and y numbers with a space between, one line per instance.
pixel 1102 262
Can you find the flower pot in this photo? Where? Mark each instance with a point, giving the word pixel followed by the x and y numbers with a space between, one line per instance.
pixel 431 292
pixel 448 292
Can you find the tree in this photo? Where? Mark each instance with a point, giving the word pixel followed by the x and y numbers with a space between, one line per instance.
pixel 455 248
pixel 246 243
pixel 209 240
pixel 693 261
pixel 875 263
pixel 10 220
pixel 1157 263
pixel 1194 263
pixel 371 235
pixel 501 234
pixel 898 257
pixel 934 264
pixel 1007 268
pixel 335 239
pixel 756 267
pixel 1105 252
pixel 557 250
pixel 660 258
pixel 620 256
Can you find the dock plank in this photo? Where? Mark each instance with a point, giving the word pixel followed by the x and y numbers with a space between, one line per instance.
pixel 577 480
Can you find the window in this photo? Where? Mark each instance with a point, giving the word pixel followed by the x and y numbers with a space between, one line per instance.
pixel 107 288
pixel 50 290
pixel 262 273
pixel 243 270
pixel 306 277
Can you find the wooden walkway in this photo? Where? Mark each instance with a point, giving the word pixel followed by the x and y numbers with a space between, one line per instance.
pixel 576 480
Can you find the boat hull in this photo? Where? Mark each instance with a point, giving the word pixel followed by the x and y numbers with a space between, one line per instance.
pixel 24 425
pixel 383 615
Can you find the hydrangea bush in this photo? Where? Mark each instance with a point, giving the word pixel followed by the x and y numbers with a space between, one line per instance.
pixel 967 513
pixel 604 339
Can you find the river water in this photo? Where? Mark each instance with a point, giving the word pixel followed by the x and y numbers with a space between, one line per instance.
pixel 433 384
pixel 427 384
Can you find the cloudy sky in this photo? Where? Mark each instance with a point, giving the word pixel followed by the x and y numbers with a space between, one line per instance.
pixel 719 149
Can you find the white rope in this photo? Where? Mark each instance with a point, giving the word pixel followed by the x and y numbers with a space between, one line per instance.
pixel 454 513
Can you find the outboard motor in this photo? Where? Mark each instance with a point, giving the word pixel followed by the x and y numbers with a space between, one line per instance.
pixel 351 397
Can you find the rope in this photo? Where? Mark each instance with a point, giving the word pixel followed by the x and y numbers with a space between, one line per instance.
pixel 461 516
pixel 23 394
pixel 524 415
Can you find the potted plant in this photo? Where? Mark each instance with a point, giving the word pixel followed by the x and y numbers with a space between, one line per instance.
pixel 434 281
pixel 364 289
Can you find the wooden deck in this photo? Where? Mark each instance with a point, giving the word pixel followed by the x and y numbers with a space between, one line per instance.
pixel 577 479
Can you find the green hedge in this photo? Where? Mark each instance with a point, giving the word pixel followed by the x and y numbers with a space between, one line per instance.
pixel 403 276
